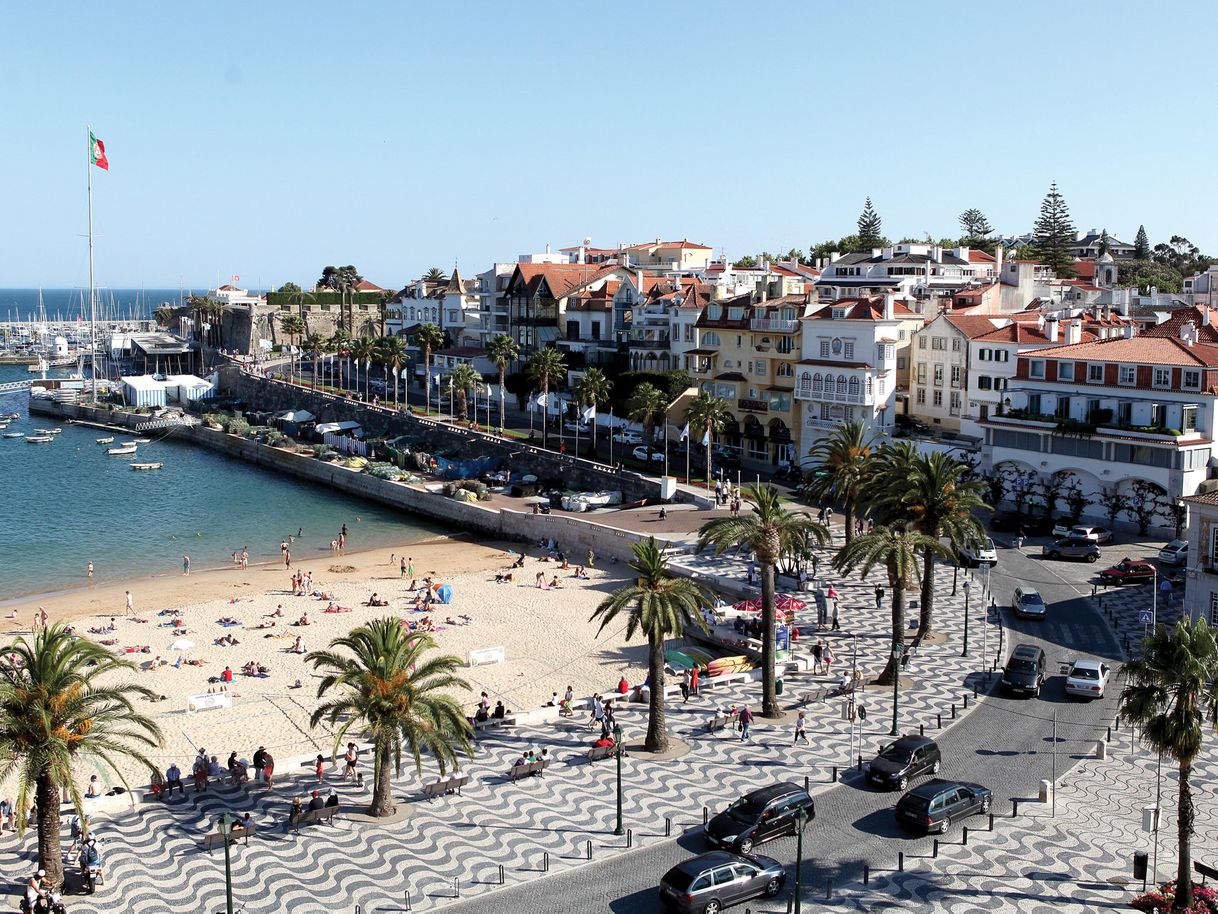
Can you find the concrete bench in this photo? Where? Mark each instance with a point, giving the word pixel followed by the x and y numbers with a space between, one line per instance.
pixel 325 814
pixel 600 752
pixel 709 682
pixel 237 834
pixel 445 786
pixel 719 722
pixel 494 723
pixel 516 772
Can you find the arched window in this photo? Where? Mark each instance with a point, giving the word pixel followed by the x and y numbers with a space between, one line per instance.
pixel 841 385
pixel 784 369
pixel 853 387
pixel 817 383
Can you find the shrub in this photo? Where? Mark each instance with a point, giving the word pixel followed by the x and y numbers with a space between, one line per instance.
pixel 237 427
pixel 383 470
pixel 477 487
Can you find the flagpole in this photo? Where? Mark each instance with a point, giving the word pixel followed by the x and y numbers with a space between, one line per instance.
pixel 92 299
pixel 666 445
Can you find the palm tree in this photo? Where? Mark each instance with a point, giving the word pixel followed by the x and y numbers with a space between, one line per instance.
pixel 709 415
pixel 647 404
pixel 935 493
pixel 318 345
pixel 293 326
pixel 363 350
pixel 502 351
pixel 1170 690
pixel 661 607
pixel 429 338
pixel 435 274
pixel 594 389
pixel 390 690
pixel 59 705
pixel 895 547
pixel 546 367
pixel 769 532
pixel 463 379
pixel 340 345
pixel 842 465
pixel 393 355
pixel 164 316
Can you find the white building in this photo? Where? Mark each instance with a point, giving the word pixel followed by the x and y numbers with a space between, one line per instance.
pixel 1201 566
pixel 921 271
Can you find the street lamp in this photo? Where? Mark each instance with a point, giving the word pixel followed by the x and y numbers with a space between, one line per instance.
pixel 225 827
pixel 617 742
pixel 897 652
pixel 799 857
pixel 967 587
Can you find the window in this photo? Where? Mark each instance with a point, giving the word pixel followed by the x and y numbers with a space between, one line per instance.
pixel 955 344
pixel 784 344
pixel 983 412
pixel 1214 609
pixel 938 342
pixel 689 333
pixel 901 334
pixel 1196 459
pixel 1065 371
pixel 714 312
pixel 955 403
pixel 921 372
pixel 1127 375
pixel 1191 379
pixel 824 349
pixel 1077 447
pixel 985 382
pixel 1162 377
pixel 921 342
pixel 1188 419
pixel 818 383
pixel 901 363
pixel 921 396
pixel 761 367
pixel 1002 355
pixel 938 401
pixel 784 370
pixel 938 376
pixel 1034 405
pixel 710 338
pixel 849 349
pixel 1095 373
pixel 955 376
pixel 854 388
pixel 985 355
pixel 1036 368
pixel 1019 441
pixel 735 314
pixel 841 385
pixel 1142 455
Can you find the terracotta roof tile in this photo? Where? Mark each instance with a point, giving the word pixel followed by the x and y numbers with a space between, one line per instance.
pixel 1143 350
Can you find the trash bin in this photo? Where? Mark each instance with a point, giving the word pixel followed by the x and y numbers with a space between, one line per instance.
pixel 778 687
pixel 1139 865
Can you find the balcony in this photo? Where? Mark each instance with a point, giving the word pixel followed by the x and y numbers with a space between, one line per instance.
pixel 753 406
pixel 648 344
pixel 832 395
pixel 1069 426
pixel 773 325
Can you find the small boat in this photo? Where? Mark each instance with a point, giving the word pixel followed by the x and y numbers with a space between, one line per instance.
pixel 143 440
pixel 109 440
pixel 48 431
pixel 38 439
pixel 128 443
pixel 125 450
pixel 3 426
pixel 12 417
pixel 14 435
pixel 147 466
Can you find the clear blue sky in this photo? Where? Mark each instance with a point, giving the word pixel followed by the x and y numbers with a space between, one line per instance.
pixel 269 139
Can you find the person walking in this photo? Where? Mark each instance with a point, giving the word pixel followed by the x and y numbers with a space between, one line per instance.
pixel 818 650
pixel 801 728
pixel 746 722
pixel 693 682
pixel 833 615
pixel 685 685
pixel 130 604
pixel 879 596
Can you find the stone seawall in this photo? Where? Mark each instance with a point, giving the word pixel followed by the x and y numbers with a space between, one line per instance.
pixel 576 535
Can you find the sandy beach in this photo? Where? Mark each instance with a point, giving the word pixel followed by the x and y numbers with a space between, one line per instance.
pixel 546 636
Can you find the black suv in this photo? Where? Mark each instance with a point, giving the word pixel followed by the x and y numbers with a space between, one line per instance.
pixel 1024 673
pixel 770 812
pixel 932 806
pixel 907 758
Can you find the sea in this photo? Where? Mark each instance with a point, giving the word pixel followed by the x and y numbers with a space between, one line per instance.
pixel 70 304
pixel 67 504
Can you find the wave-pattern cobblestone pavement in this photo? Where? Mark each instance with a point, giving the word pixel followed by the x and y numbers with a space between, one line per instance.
pixel 458 843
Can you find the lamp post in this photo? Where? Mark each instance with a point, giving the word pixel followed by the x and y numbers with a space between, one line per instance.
pixel 967 587
pixel 799 858
pixel 897 652
pixel 616 742
pixel 225 827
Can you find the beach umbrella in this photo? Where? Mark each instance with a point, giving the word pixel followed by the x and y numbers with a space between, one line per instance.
pixel 786 603
pixel 751 605
pixel 442 593
pixel 182 644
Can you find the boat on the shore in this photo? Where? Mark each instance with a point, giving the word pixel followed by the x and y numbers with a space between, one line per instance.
pixel 124 451
pixel 147 466
pixel 109 440
pixel 38 439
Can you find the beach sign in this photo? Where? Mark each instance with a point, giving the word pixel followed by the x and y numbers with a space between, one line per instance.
pixel 485 655
pixel 211 702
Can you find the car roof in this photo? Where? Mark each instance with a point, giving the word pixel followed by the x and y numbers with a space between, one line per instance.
pixel 1177 544
pixel 914 742
pixel 1025 650
pixel 1031 592
pixel 766 794
pixel 696 865
pixel 1087 664
pixel 934 787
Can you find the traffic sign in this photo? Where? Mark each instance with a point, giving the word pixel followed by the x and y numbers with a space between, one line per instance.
pixel 1145 616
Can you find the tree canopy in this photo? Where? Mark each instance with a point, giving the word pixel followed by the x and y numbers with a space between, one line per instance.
pixel 870 224
pixel 1053 233
pixel 1141 244
pixel 974 224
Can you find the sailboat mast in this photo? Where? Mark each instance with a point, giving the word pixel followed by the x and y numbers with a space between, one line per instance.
pixel 92 303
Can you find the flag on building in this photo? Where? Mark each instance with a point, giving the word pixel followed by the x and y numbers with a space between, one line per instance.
pixel 589 413
pixel 684 432
pixel 97 153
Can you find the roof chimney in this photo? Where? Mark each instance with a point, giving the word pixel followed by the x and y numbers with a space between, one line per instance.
pixel 1205 316
pixel 1128 331
pixel 835 256
pixel 998 251
pixel 1188 331
pixel 1074 332
pixel 1051 328
pixel 889 306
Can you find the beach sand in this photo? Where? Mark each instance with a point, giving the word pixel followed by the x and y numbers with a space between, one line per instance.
pixel 547 638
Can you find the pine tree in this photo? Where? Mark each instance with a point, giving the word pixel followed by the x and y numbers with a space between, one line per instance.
pixel 1105 243
pixel 869 228
pixel 1053 233
pixel 1141 245
pixel 974 224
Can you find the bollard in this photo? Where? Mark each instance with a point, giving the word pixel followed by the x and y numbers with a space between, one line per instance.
pixel 1118 723
pixel 866 873
pixel 834 781
pixel 589 850
pixel 1014 808
pixel 630 837
pixel 966 702
pixel 1101 749
pixel 1108 738
pixel 974 693
pixel 991 821
pixel 456 887
pixel 545 862
pixel 359 910
pixel 829 888
pixel 407 900
pixel 935 850
pixel 807 784
pixel 964 836
pixel 921 730
pixel 501 874
pixel 705 815
pixel 860 765
pixel 667 827
pixel 900 861
pixel 953 711
pixel 939 720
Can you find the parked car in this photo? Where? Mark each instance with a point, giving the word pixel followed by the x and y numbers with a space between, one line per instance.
pixel 1101 535
pixel 1174 553
pixel 645 454
pixel 933 806
pixel 627 438
pixel 713 881
pixel 577 427
pixel 907 758
pixel 1129 571
pixel 1028 603
pixel 1072 548
pixel 760 816
pixel 1087 679
pixel 725 457
pixel 1024 673
pixel 1030 524
pixel 984 553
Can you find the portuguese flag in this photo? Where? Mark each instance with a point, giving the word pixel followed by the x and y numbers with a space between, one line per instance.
pixel 97 153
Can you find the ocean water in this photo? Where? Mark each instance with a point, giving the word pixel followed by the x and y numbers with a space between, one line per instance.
pixel 67 504
pixel 69 304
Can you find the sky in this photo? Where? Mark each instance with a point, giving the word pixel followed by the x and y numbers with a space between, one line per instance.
pixel 268 139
